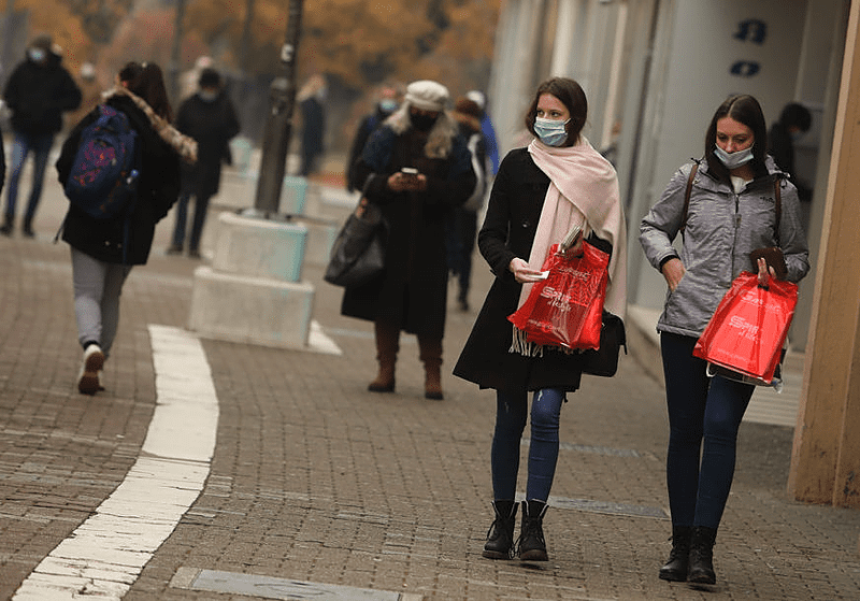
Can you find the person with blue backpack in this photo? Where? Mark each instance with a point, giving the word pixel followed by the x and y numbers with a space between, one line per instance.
pixel 121 178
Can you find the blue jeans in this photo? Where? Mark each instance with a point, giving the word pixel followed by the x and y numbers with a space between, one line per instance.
pixel 699 476
pixel 24 144
pixel 511 413
pixel 201 206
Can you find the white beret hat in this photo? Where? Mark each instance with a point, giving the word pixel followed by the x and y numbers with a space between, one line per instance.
pixel 427 95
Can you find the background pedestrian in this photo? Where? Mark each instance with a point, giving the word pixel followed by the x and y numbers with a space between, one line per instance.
pixel 794 121
pixel 208 117
pixel 311 100
pixel 463 227
pixel 105 250
pixel 385 106
pixel 38 92
pixel 412 293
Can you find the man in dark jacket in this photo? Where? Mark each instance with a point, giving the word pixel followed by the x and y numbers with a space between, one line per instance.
pixel 38 92
pixel 386 105
pixel 209 117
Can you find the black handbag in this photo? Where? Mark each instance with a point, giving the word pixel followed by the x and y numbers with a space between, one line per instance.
pixel 604 360
pixel 358 253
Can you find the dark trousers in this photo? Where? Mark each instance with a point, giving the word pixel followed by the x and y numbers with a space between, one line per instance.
pixel 704 417
pixel 201 206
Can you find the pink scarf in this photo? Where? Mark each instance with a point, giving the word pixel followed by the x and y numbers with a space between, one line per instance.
pixel 584 192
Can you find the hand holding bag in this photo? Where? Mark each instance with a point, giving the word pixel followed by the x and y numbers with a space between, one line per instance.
pixel 748 330
pixel 358 253
pixel 566 308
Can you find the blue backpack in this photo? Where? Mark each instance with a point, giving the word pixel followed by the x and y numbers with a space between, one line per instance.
pixel 104 175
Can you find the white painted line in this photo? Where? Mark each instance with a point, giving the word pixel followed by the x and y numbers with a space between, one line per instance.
pixel 106 554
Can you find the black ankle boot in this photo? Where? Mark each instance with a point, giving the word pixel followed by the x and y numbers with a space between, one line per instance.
pixel 532 546
pixel 701 568
pixel 676 567
pixel 27 228
pixel 500 538
pixel 6 228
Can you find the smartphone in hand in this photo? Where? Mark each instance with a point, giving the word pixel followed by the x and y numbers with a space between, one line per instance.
pixel 410 174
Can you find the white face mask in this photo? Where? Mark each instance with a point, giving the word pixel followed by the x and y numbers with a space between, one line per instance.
pixel 735 159
pixel 208 95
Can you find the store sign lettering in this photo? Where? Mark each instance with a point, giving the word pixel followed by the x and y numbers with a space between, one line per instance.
pixel 752 31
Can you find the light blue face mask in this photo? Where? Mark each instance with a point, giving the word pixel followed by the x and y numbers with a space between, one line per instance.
pixel 735 159
pixel 37 55
pixel 551 132
pixel 388 105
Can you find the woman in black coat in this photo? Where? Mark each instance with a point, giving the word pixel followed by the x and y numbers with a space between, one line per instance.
pixel 539 195
pixel 104 250
pixel 412 293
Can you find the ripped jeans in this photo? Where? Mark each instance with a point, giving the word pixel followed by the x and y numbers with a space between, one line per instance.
pixel 511 413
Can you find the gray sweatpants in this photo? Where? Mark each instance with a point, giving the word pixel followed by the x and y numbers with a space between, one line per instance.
pixel 98 286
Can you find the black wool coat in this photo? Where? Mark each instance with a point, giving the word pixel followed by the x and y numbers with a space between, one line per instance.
pixel 212 125
pixel 158 189
pixel 508 232
pixel 413 291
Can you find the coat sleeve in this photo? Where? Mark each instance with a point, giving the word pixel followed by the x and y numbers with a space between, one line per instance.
pixel 792 238
pixel 70 96
pixel 663 222
pixel 456 188
pixel 493 237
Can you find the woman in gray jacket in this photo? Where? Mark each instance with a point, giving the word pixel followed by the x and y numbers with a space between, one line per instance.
pixel 731 212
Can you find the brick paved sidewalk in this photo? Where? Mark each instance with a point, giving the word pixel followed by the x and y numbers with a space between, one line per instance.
pixel 314 479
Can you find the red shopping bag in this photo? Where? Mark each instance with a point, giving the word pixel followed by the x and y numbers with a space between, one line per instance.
pixel 749 327
pixel 566 309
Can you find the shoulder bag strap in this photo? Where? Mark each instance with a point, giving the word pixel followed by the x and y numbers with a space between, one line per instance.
pixel 687 196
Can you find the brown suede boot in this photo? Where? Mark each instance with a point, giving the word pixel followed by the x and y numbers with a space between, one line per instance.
pixel 431 356
pixel 387 345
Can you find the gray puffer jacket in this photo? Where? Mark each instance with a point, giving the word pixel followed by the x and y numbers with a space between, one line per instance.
pixel 722 229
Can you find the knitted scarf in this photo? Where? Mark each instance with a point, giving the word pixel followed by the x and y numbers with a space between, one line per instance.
pixel 583 192
pixel 184 146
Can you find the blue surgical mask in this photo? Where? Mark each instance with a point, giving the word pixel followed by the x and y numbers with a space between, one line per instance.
pixel 388 105
pixel 735 159
pixel 37 55
pixel 551 132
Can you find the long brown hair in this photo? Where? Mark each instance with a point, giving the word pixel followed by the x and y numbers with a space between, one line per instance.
pixel 571 95
pixel 744 109
pixel 149 85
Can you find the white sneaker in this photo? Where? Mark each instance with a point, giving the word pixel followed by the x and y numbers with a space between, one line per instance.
pixel 94 360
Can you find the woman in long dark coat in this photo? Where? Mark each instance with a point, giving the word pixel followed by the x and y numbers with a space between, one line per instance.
pixel 539 195
pixel 411 295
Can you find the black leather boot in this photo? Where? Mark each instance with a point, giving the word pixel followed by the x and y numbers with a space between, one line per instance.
pixel 27 227
pixel 6 228
pixel 500 538
pixel 675 569
pixel 701 568
pixel 532 545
